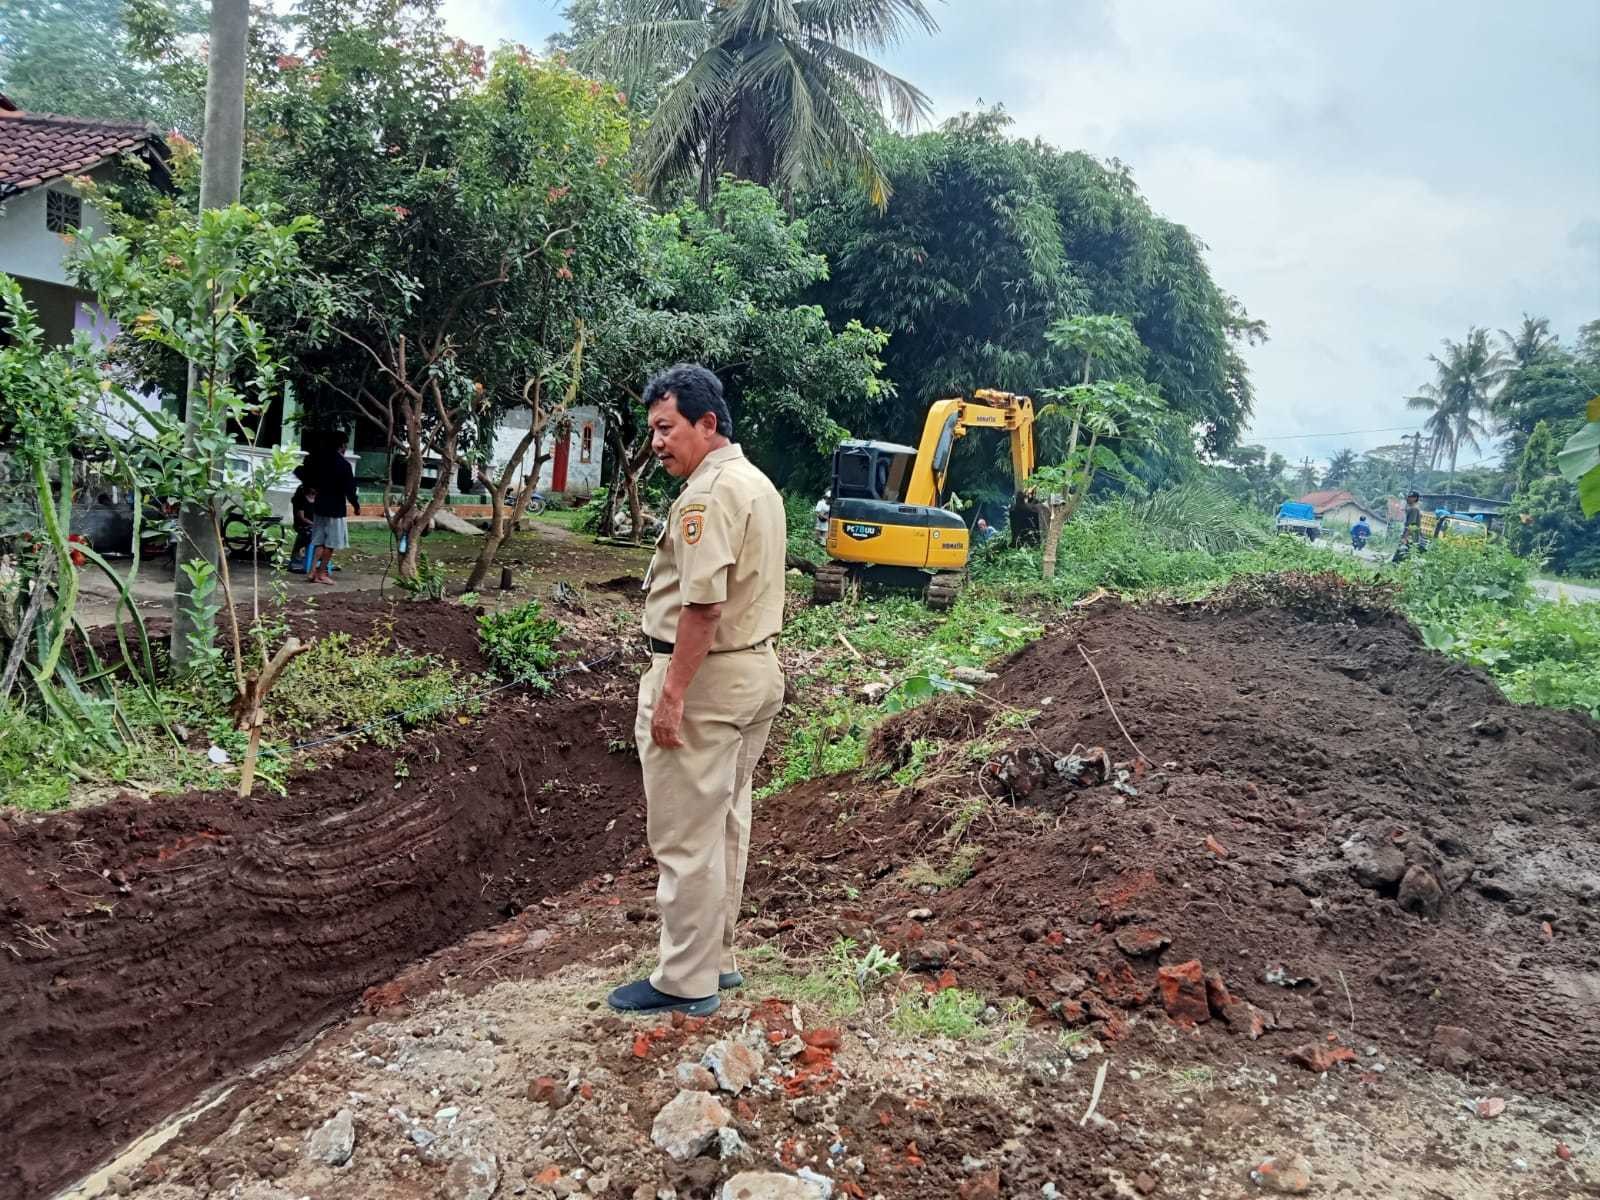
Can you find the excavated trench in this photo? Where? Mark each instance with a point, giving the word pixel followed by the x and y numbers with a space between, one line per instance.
pixel 149 949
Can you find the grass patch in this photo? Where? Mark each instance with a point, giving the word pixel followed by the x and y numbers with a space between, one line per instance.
pixel 841 983
pixel 952 1013
pixel 520 642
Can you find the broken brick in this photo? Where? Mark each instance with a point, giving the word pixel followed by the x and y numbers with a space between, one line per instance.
pixel 1183 992
pixel 1320 1058
pixel 545 1090
pixel 823 1039
pixel 983 1186
pixel 1215 847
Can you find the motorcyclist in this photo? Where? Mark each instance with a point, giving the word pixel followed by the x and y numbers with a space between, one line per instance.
pixel 1359 533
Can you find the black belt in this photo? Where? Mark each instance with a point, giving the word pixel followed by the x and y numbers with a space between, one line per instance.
pixel 657 646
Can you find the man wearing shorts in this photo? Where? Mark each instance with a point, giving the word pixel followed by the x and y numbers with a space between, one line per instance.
pixel 336 487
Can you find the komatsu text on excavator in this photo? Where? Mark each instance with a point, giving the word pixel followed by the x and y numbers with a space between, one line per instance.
pixel 886 524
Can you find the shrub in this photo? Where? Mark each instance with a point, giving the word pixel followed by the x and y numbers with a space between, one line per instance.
pixel 520 642
pixel 340 683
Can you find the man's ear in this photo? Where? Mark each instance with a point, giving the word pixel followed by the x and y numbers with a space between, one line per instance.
pixel 707 424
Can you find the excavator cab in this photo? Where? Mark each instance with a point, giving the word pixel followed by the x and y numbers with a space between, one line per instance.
pixel 886 522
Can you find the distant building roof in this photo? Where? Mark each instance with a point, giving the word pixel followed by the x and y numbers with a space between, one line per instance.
pixel 36 148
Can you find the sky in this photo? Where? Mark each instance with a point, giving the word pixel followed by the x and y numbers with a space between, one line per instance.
pixel 1369 178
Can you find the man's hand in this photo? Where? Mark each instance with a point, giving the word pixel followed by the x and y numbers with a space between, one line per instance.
pixel 666 722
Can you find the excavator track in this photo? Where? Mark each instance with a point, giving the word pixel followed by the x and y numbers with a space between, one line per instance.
pixel 828 583
pixel 943 589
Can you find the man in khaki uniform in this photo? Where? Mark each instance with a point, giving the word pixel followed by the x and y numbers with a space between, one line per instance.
pixel 706 704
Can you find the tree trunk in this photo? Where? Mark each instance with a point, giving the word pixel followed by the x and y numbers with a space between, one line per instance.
pixel 219 188
pixel 503 517
pixel 1055 518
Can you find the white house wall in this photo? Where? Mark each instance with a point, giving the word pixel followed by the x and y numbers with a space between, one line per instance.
pixel 582 477
pixel 27 249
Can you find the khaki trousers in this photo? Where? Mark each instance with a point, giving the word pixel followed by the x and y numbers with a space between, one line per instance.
pixel 698 802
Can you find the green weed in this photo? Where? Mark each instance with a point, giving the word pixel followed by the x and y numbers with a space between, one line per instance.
pixel 521 642
pixel 949 1013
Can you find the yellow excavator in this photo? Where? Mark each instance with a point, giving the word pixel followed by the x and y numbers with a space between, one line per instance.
pixel 886 525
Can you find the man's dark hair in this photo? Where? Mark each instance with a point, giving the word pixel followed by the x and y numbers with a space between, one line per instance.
pixel 1413 495
pixel 697 392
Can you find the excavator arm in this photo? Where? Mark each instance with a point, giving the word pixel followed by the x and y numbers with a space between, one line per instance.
pixel 949 420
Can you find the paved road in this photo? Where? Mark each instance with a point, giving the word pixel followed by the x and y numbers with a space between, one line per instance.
pixel 1548 589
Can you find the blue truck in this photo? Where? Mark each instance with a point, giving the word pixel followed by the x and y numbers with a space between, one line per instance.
pixel 1297 518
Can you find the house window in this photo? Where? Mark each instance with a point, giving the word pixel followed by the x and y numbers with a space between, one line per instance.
pixel 62 213
pixel 586 449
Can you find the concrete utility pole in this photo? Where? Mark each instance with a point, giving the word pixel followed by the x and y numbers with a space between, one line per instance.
pixel 220 166
pixel 1416 450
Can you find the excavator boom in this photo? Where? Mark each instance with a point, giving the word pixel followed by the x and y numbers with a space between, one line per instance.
pixel 948 420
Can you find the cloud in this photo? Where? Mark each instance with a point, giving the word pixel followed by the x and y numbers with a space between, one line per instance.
pixel 1366 182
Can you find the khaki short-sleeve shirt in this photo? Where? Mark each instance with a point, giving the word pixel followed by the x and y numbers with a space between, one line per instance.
pixel 724 543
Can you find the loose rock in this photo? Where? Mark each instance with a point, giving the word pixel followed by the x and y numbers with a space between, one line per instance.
pixel 335 1141
pixel 472 1176
pixel 1141 941
pixel 1284 1174
pixel 1320 1058
pixel 688 1124
pixel 692 1077
pixel 734 1064
pixel 1420 891
pixel 1374 862
pixel 770 1185
pixel 1453 1048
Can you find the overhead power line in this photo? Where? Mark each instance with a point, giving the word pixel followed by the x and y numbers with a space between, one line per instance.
pixel 1290 437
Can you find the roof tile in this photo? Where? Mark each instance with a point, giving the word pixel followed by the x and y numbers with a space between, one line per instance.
pixel 36 148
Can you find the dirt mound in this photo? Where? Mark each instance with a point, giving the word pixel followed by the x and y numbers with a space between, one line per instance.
pixel 154 947
pixel 1362 838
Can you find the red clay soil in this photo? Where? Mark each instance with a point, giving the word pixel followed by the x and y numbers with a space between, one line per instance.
pixel 1300 767
pixel 153 947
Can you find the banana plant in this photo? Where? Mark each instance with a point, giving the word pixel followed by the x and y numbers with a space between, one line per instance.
pixel 1579 461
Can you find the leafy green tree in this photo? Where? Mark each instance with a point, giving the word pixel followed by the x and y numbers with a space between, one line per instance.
pixel 1341 469
pixel 1551 385
pixel 130 60
pixel 1547 520
pixel 721 286
pixel 1466 377
pixel 1253 475
pixel 472 212
pixel 778 92
pixel 1116 409
pixel 988 240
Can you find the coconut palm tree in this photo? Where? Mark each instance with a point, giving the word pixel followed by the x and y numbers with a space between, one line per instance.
pixel 1465 379
pixel 1532 339
pixel 774 91
pixel 1340 467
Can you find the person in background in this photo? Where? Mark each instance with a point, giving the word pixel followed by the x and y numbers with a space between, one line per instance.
pixel 983 530
pixel 335 485
pixel 1360 532
pixel 823 508
pixel 300 508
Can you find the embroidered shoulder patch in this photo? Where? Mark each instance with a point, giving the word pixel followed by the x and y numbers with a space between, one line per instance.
pixel 693 525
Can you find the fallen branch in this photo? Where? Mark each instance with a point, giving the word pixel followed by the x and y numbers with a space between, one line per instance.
pixel 1111 707
pixel 860 657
